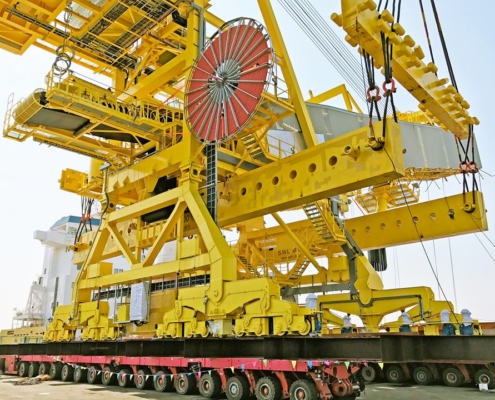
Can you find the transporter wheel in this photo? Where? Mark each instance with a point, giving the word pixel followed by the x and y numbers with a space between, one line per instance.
pixel 210 386
pixel 94 376
pixel 143 380
pixel 395 374
pixel 108 376
pixel 485 376
pixel 124 379
pixel 237 388
pixel 80 375
pixel 23 369
pixel 303 389
pixel 423 376
pixel 55 371
pixel 268 388
pixel 185 384
pixel 164 381
pixel 369 373
pixel 67 374
pixel 44 368
pixel 452 377
pixel 33 369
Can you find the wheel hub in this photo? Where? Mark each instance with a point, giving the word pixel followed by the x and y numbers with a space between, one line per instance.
pixel 300 393
pixel 233 389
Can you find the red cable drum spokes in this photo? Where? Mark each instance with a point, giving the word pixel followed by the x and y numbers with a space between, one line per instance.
pixel 227 82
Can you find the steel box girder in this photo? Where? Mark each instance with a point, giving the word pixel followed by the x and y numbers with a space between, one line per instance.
pixel 396 226
pixel 313 174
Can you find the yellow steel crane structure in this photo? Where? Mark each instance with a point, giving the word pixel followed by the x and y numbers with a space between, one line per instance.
pixel 181 146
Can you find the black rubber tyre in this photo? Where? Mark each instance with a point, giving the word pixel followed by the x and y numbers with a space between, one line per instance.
pixel 485 376
pixel 23 369
pixel 124 378
pixel 268 388
pixel 108 376
pixel 80 375
pixel 238 388
pixel 94 376
pixel 395 374
pixel 55 371
pixel 423 376
pixel 210 385
pixel 369 373
pixel 143 380
pixel 185 384
pixel 452 377
pixel 67 374
pixel 33 369
pixel 303 389
pixel 164 381
pixel 44 368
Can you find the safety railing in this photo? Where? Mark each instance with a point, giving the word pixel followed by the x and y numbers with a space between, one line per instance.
pixel 135 111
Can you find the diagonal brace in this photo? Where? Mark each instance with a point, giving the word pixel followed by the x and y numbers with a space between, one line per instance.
pixel 122 245
pixel 177 213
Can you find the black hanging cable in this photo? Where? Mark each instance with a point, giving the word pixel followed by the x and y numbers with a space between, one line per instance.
pixel 86 207
pixel 426 31
pixel 371 98
pixel 388 48
pixel 444 44
pixel 420 238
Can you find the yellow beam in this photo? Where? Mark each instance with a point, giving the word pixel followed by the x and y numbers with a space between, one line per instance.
pixel 396 227
pixel 295 239
pixel 290 78
pixel 153 272
pixel 313 174
pixel 213 19
pixel 361 21
pixel 334 92
pixel 163 236
pixel 161 76
pixel 122 245
pixel 372 231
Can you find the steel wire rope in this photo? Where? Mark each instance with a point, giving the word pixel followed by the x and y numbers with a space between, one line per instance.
pixel 466 164
pixel 387 49
pixel 338 55
pixel 434 249
pixel 421 239
pixel 452 272
pixel 474 221
pixel 487 252
pixel 342 50
pixel 479 227
pixel 427 32
pixel 319 41
pixel 387 52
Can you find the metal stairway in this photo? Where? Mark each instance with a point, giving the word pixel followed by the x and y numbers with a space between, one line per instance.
pixel 299 268
pixel 324 223
pixel 247 265
pixel 251 143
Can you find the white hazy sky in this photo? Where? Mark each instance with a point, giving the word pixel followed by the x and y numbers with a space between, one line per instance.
pixel 29 172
